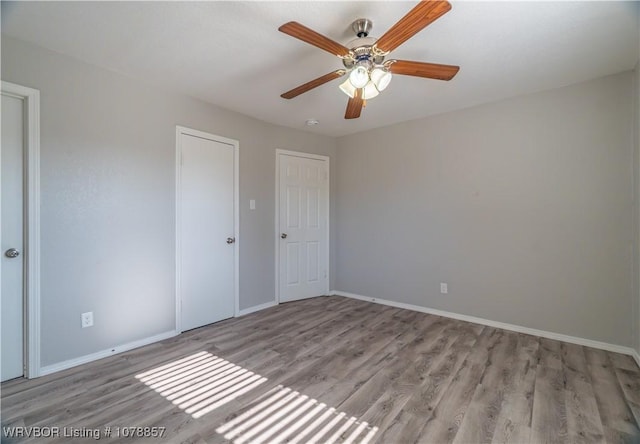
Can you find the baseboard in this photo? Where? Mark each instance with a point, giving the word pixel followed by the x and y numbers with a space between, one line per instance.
pixel 255 308
pixel 47 370
pixel 512 327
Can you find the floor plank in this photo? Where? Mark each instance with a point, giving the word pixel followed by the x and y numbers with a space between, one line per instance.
pixel 549 418
pixel 615 413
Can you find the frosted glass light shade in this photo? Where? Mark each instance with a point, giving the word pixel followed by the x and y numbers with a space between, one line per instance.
pixel 369 91
pixel 359 76
pixel 348 88
pixel 381 78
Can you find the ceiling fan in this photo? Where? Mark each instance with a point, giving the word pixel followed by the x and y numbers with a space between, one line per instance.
pixel 363 57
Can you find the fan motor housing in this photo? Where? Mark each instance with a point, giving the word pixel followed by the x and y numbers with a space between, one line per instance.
pixel 362 45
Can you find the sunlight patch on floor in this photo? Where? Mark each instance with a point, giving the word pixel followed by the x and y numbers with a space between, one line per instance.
pixel 200 383
pixel 284 415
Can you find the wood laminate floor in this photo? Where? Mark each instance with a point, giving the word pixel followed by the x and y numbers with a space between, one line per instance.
pixel 332 369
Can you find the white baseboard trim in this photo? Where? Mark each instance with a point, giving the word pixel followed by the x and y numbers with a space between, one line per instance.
pixel 255 308
pixel 47 370
pixel 496 324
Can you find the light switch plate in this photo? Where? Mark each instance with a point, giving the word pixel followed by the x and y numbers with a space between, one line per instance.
pixel 252 204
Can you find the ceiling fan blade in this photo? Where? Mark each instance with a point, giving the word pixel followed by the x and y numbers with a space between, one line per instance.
pixel 313 84
pixel 417 19
pixel 421 69
pixel 301 32
pixel 354 106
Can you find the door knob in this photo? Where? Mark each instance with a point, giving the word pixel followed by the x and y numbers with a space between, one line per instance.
pixel 283 235
pixel 12 252
pixel 231 240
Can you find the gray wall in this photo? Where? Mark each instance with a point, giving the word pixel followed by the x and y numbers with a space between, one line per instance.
pixel 523 207
pixel 636 174
pixel 636 170
pixel 636 165
pixel 107 158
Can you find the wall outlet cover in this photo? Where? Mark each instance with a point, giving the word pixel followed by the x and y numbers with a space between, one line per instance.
pixel 87 319
pixel 444 288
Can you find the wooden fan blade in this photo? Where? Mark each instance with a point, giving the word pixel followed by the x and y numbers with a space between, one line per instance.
pixel 421 69
pixel 301 32
pixel 420 16
pixel 313 84
pixel 354 106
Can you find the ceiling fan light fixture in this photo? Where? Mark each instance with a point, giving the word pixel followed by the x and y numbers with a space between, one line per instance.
pixel 359 76
pixel 381 78
pixel 347 88
pixel 370 91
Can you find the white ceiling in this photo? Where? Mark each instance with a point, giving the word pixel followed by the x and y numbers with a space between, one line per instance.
pixel 231 53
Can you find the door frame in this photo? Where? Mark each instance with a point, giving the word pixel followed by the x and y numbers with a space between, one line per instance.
pixel 180 131
pixel 31 221
pixel 280 152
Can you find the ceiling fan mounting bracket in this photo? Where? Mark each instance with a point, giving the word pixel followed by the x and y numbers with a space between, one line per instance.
pixel 362 27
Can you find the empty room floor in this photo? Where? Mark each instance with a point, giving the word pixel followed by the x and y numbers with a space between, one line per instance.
pixel 332 369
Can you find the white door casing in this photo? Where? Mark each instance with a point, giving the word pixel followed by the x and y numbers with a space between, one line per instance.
pixel 206 228
pixel 302 225
pixel 20 218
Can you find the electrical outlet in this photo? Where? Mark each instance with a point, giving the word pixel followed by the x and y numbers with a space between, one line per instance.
pixel 444 288
pixel 87 319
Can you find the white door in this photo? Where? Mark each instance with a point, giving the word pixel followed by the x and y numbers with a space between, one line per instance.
pixel 12 237
pixel 303 226
pixel 206 231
